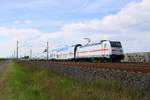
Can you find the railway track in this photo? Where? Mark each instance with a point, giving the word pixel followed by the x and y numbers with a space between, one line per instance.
pixel 131 67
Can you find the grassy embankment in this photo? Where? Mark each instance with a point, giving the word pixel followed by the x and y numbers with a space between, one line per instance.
pixel 2 60
pixel 31 83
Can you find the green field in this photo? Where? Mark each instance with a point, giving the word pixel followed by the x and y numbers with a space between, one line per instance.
pixel 20 82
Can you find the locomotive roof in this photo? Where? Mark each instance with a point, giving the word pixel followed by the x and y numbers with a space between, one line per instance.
pixel 98 43
pixel 91 44
pixel 87 45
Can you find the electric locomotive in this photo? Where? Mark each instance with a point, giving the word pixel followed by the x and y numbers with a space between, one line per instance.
pixel 104 50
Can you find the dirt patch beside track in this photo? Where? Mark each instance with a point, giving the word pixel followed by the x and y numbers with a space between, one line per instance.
pixel 3 65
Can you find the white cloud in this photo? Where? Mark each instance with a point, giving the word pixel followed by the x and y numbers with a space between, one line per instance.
pixel 22 22
pixel 16 22
pixel 33 37
pixel 27 21
pixel 130 25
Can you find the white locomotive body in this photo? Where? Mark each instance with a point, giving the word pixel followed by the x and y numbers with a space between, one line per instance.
pixel 104 50
pixel 93 50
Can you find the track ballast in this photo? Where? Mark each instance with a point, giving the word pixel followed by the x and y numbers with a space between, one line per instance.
pixel 131 67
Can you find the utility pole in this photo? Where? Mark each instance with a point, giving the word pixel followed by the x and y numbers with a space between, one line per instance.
pixel 47 51
pixel 30 54
pixel 17 50
pixel 14 54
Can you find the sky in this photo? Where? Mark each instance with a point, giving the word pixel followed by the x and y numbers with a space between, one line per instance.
pixel 67 22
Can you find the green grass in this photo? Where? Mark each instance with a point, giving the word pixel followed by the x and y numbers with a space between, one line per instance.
pixel 2 61
pixel 31 83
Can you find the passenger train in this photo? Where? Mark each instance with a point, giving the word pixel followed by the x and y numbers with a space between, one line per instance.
pixel 102 51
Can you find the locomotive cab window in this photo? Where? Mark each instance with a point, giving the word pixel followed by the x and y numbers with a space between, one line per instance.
pixel 115 44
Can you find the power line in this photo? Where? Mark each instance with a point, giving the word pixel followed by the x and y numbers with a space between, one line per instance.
pixel 30 54
pixel 47 50
pixel 17 49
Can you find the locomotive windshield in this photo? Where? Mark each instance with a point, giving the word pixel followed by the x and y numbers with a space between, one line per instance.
pixel 116 44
